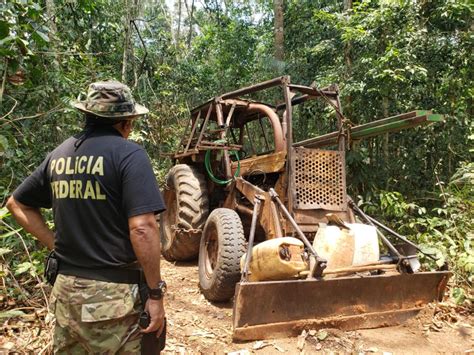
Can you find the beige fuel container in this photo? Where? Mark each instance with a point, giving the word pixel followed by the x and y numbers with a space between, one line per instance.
pixel 276 259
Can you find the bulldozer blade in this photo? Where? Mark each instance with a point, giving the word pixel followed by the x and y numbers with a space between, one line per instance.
pixel 271 309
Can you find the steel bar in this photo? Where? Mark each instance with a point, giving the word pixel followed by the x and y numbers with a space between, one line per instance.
pixel 395 123
pixel 402 238
pixel 253 88
pixel 222 136
pixel 203 128
pixel 321 263
pixel 193 130
pixel 219 145
pixel 311 91
pixel 345 270
pixel 187 154
pixel 290 191
pixel 378 265
pixel 299 99
pixel 184 139
pixel 373 221
pixel 253 226
pixel 229 116
pixel 397 126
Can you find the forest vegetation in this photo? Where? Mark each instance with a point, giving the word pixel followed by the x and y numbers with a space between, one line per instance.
pixel 387 56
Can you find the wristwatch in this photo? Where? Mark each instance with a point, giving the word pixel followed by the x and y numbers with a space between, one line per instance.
pixel 158 292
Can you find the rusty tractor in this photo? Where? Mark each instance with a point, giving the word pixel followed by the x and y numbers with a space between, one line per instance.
pixel 240 180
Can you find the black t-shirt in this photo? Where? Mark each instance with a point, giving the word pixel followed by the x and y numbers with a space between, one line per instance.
pixel 93 191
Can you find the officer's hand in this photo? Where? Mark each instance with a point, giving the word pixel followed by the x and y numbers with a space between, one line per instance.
pixel 156 311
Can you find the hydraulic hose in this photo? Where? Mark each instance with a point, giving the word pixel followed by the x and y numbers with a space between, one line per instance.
pixel 207 164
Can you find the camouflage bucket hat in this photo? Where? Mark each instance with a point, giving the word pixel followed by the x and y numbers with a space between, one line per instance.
pixel 110 99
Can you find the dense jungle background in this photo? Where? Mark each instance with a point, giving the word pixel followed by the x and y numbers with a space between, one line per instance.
pixel 387 56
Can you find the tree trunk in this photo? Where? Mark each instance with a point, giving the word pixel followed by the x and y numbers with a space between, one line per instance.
pixel 191 19
pixel 50 13
pixel 178 32
pixel 279 34
pixel 348 61
pixel 127 39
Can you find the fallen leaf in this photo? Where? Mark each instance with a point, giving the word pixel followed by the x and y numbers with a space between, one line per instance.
pixel 260 345
pixel 301 340
pixel 322 334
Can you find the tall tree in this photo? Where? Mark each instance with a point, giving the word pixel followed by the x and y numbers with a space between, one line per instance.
pixel 278 6
pixel 127 26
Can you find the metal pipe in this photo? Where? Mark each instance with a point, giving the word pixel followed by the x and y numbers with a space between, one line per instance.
pixel 229 116
pixel 249 89
pixel 222 135
pixel 312 91
pixel 203 128
pixel 193 130
pixel 289 143
pixel 395 234
pixel 298 230
pixel 253 226
pixel 320 264
pixel 373 221
pixel 275 122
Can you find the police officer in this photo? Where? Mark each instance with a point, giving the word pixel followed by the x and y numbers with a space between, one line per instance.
pixel 104 197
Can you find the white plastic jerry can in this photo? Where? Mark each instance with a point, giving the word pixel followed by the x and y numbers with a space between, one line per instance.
pixel 347 247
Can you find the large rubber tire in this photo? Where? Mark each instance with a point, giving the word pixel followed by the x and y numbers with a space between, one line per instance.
pixel 187 207
pixel 222 246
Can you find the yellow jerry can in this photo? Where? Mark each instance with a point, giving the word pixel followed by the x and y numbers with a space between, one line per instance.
pixel 276 259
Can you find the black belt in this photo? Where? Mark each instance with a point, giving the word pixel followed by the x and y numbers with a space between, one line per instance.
pixel 116 275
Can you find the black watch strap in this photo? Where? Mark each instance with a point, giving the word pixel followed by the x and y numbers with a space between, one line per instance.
pixel 158 292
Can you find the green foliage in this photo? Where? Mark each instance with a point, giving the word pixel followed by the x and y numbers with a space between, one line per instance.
pixel 387 57
pixel 447 231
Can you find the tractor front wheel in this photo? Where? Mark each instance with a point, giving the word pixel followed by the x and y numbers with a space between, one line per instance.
pixel 222 246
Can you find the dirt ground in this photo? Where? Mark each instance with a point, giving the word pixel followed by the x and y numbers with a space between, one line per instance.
pixel 197 326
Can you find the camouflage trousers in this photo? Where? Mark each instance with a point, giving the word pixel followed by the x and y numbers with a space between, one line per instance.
pixel 95 317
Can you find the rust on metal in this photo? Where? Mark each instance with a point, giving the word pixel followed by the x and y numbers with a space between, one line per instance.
pixel 193 130
pixel 275 122
pixel 294 328
pixel 296 186
pixel 268 163
pixel 319 179
pixel 268 309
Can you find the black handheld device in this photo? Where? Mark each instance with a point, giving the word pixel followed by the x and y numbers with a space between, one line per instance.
pixel 51 268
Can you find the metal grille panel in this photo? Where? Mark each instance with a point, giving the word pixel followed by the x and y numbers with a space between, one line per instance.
pixel 319 179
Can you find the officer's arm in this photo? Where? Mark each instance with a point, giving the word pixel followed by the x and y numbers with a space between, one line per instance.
pixel 146 244
pixel 32 221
